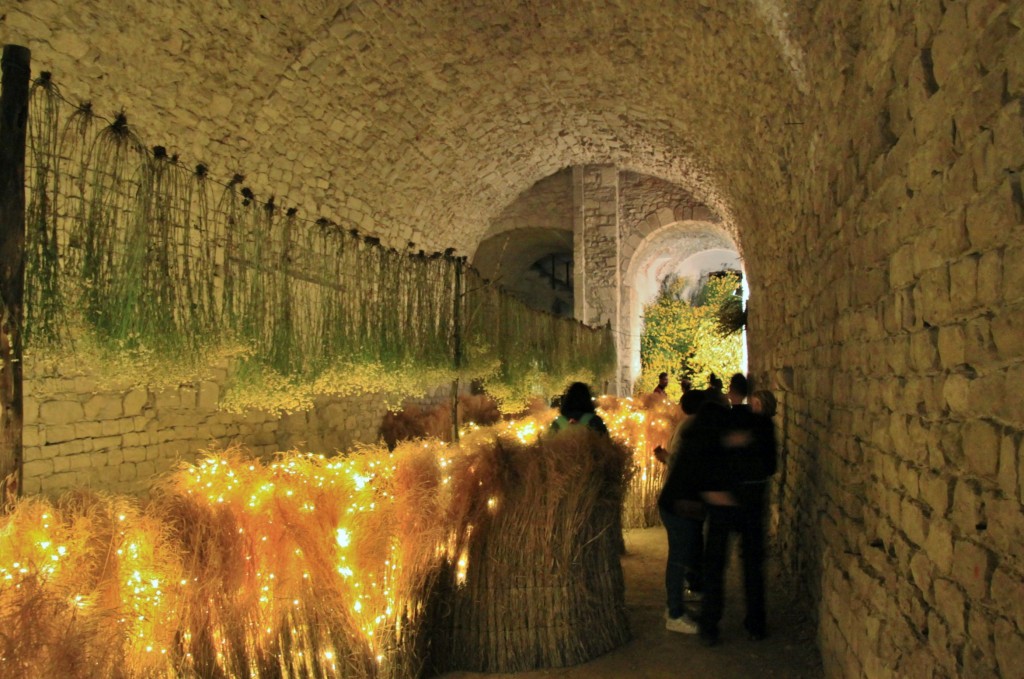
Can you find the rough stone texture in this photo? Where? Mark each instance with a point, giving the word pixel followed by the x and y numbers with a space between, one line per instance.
pixel 596 239
pixel 901 420
pixel 866 156
pixel 122 440
pixel 537 224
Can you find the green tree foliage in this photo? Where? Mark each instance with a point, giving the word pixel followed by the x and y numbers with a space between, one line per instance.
pixel 682 336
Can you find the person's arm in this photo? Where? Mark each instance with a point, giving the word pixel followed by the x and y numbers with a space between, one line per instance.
pixel 665 454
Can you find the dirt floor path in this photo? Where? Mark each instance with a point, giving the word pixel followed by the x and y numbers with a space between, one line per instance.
pixel 788 653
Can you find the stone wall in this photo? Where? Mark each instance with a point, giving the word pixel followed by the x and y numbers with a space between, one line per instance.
pixel 649 203
pixel 547 204
pixel 596 244
pixel 890 319
pixel 78 434
pixel 537 224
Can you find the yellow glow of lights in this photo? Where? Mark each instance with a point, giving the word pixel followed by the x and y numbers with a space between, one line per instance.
pixel 346 499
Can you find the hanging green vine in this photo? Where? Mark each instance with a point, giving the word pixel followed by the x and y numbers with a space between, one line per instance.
pixel 133 260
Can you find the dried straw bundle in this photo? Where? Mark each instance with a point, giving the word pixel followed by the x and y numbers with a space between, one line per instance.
pixel 641 425
pixel 305 567
pixel 316 567
pixel 538 554
pixel 414 422
pixel 88 589
pixel 308 566
pixel 478 408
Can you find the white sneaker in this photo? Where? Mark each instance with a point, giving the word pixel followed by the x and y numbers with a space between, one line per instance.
pixel 682 624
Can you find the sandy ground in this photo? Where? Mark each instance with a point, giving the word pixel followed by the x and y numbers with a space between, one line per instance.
pixel 788 653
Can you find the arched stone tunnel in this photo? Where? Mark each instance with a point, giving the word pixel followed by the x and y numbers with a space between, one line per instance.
pixel 864 158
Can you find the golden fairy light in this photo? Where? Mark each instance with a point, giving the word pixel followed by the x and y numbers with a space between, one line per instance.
pixel 307 558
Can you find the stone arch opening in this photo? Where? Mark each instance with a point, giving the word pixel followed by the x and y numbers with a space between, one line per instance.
pixel 528 246
pixel 686 248
pixel 533 263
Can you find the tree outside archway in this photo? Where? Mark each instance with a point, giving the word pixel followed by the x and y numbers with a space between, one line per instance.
pixel 682 336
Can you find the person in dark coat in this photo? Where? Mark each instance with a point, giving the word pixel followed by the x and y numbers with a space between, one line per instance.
pixel 682 515
pixel 734 486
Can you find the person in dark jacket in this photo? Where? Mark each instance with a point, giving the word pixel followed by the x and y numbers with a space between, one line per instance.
pixel 577 407
pixel 735 490
pixel 682 514
pixel 662 383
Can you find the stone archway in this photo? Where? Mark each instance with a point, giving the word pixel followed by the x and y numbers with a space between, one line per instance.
pixel 669 247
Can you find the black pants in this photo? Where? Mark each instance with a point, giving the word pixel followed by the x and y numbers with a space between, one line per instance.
pixel 747 520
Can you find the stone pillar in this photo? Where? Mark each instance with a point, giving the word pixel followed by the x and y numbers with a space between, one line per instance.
pixel 596 244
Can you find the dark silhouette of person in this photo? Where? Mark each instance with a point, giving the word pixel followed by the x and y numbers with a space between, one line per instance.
pixel 682 514
pixel 738 457
pixel 576 407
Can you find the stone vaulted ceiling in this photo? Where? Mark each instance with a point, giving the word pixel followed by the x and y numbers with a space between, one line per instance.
pixel 418 121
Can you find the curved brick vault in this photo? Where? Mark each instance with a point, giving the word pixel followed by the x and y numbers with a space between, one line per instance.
pixel 864 156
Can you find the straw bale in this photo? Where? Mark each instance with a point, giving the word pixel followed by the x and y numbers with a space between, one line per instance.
pixel 412 421
pixel 543 584
pixel 478 408
pixel 500 553
pixel 641 424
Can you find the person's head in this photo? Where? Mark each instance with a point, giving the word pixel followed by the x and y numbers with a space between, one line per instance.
pixel 686 384
pixel 662 380
pixel 714 383
pixel 577 399
pixel 763 402
pixel 738 388
pixel 692 400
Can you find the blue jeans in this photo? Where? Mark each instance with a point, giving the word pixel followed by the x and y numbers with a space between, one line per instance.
pixel 685 558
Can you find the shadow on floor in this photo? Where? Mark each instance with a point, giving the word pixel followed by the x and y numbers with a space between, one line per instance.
pixel 788 653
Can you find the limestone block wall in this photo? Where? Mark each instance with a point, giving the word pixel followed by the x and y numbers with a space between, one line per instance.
pixel 536 224
pixel 887 311
pixel 78 434
pixel 648 203
pixel 596 243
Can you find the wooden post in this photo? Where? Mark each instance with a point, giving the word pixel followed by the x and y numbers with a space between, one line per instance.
pixel 457 358
pixel 13 123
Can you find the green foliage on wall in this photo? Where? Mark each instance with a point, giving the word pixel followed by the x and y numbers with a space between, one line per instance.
pixel 682 337
pixel 143 268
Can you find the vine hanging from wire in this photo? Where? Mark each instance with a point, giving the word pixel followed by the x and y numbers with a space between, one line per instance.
pixel 146 269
